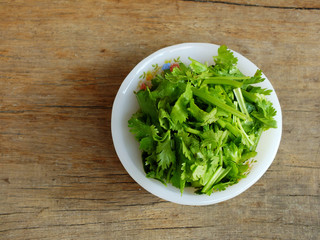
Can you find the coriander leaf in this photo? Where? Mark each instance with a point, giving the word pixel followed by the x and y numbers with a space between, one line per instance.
pixel 177 75
pixel 225 57
pixel 232 153
pixel 147 104
pixel 219 92
pixel 266 107
pixel 186 142
pixel 260 90
pixel 213 139
pixel 268 121
pixel 265 113
pixel 197 67
pixel 143 132
pixel 179 175
pixel 179 111
pixel 197 171
pixel 257 78
pixel 168 90
pixel 165 154
pixel 202 116
pixel 223 185
pixel 165 119
pixel 139 128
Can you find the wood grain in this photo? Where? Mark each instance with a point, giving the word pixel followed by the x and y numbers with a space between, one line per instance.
pixel 61 64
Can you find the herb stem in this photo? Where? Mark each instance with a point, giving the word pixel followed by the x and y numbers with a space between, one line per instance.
pixel 215 101
pixel 242 104
pixel 223 81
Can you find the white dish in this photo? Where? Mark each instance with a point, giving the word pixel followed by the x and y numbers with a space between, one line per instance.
pixel 127 148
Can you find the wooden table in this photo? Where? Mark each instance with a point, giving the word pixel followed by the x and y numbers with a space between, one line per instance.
pixel 61 64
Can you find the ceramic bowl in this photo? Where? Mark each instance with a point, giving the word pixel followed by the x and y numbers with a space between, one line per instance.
pixel 127 148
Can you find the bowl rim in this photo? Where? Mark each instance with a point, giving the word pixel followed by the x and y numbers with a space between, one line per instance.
pixel 147 183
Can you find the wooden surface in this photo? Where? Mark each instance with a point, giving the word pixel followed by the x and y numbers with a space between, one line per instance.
pixel 61 64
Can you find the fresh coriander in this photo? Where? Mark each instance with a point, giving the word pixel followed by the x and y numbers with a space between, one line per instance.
pixel 199 125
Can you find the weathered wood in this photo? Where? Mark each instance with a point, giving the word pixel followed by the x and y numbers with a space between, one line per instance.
pixel 61 64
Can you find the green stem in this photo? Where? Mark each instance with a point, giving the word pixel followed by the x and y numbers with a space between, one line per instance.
pixel 219 174
pixel 247 156
pixel 249 96
pixel 223 81
pixel 242 104
pixel 221 157
pixel 215 101
pixel 212 180
pixel 256 140
pixel 191 130
pixel 244 134
pixel 230 127
pixel 225 172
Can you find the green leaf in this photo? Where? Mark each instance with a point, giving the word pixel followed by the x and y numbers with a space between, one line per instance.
pixel 202 116
pixel 269 122
pixel 257 78
pixel 225 57
pixel 165 119
pixel 179 111
pixel 266 113
pixel 166 89
pixel 198 171
pixel 165 154
pixel 213 139
pixel 197 67
pixel 143 132
pixel 260 90
pixel 147 104
pixel 232 153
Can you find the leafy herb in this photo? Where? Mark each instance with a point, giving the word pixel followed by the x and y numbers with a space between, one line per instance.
pixel 199 125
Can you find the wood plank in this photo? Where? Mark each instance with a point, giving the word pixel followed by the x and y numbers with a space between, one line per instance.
pixel 280 4
pixel 61 64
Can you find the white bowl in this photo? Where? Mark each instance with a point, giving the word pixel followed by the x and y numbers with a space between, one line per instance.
pixel 127 148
